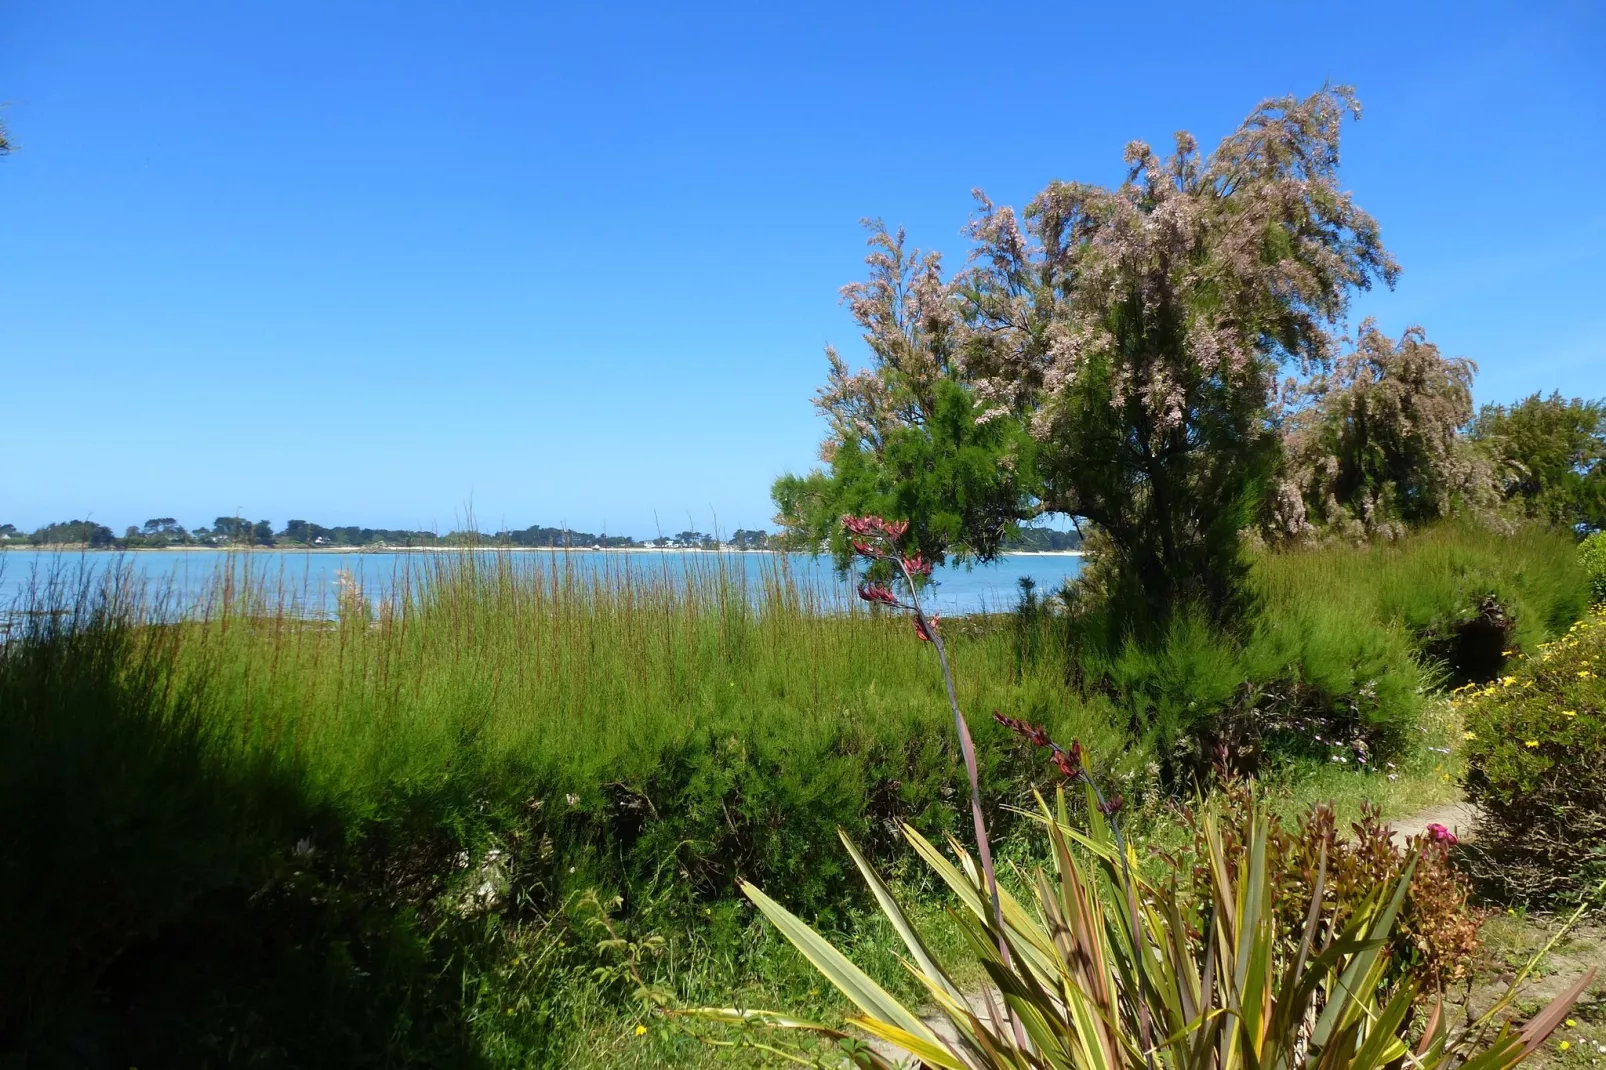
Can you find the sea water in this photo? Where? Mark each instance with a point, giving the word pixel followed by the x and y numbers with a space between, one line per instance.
pixel 313 579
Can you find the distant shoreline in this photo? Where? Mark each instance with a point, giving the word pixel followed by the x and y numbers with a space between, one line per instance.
pixel 77 548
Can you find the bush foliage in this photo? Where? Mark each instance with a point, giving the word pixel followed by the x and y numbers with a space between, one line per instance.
pixel 1536 752
pixel 1347 645
pixel 1550 457
pixel 1592 556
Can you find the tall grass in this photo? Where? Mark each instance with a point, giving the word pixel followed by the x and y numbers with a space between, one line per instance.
pixel 722 708
pixel 584 675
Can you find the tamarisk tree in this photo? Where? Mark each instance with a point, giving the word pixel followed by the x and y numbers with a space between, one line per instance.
pixel 1108 353
pixel 1374 443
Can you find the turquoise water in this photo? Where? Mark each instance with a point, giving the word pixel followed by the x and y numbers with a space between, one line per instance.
pixel 313 579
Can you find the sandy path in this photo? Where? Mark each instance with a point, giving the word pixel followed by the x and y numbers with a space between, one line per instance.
pixel 1456 816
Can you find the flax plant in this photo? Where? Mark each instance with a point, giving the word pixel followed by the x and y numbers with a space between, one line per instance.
pixel 1224 987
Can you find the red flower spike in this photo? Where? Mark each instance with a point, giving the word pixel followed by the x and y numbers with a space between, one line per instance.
pixel 893 529
pixel 860 525
pixel 917 566
pixel 1025 729
pixel 1111 806
pixel 922 630
pixel 1067 770
pixel 1439 834
pixel 874 592
pixel 864 549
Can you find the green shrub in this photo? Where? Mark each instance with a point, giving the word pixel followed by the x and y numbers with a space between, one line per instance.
pixel 1592 556
pixel 1344 647
pixel 1536 754
pixel 1463 594
pixel 1304 684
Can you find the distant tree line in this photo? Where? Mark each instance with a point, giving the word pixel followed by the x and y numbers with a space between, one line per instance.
pixel 535 535
pixel 235 531
pixel 165 531
pixel 73 532
pixel 1041 539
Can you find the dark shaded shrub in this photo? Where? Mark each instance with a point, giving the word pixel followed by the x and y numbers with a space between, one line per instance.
pixel 164 906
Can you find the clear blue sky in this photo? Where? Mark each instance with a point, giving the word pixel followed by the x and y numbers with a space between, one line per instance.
pixel 366 263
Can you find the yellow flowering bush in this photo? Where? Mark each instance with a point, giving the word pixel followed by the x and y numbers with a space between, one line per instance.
pixel 1536 758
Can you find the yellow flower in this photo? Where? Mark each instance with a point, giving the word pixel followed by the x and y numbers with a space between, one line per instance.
pixel 641 1030
pixel 1507 653
pixel 1507 681
pixel 1531 743
pixel 1571 1024
pixel 1469 734
pixel 1566 1044
pixel 1569 713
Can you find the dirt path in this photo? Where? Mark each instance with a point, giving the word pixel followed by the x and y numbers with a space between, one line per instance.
pixel 1456 816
